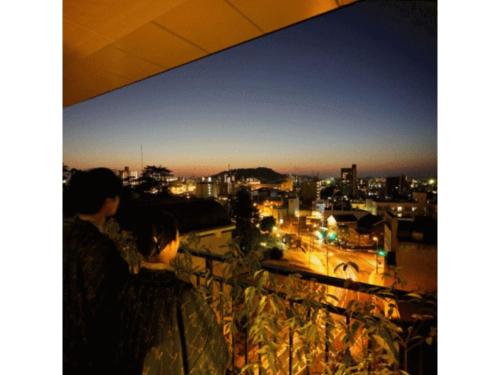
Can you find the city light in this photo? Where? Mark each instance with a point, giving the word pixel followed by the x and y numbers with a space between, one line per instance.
pixel 332 236
pixel 276 206
pixel 331 221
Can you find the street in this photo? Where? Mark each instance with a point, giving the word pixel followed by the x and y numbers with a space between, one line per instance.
pixel 322 258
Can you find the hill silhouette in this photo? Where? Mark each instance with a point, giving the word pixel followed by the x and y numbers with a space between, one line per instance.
pixel 265 175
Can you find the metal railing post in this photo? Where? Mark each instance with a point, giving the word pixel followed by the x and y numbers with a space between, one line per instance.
pixel 349 285
pixel 290 346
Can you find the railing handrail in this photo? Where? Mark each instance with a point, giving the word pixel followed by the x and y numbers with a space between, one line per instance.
pixel 243 282
pixel 357 286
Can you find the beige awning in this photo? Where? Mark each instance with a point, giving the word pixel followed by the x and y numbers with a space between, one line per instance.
pixel 108 44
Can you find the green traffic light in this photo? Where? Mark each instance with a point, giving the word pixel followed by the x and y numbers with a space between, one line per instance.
pixel 382 253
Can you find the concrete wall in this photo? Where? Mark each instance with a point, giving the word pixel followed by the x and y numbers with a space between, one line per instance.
pixel 418 264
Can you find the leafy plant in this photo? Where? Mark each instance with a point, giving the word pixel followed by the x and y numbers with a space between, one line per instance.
pixel 274 322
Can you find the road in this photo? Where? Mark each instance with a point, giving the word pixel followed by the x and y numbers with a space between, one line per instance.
pixel 323 259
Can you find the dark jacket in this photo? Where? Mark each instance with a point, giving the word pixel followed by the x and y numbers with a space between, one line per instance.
pixel 93 275
pixel 167 328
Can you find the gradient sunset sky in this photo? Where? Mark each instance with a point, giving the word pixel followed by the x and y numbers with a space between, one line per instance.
pixel 357 85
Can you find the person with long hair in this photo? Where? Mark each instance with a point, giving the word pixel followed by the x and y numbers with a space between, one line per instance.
pixel 166 327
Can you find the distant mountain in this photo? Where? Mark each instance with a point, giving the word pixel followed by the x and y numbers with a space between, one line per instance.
pixel 265 175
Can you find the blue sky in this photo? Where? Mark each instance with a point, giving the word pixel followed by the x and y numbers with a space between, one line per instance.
pixel 357 85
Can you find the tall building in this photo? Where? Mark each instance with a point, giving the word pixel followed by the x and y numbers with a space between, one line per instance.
pixel 207 189
pixel 227 187
pixel 293 206
pixel 348 180
pixel 310 190
pixel 134 175
pixel 125 173
pixel 396 186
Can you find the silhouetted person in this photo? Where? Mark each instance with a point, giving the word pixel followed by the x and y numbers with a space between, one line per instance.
pixel 93 275
pixel 167 328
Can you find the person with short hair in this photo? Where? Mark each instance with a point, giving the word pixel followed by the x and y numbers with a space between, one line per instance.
pixel 93 275
pixel 167 328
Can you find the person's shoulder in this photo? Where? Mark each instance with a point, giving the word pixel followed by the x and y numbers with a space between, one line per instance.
pixel 185 288
pixel 75 227
pixel 163 278
pixel 82 235
pixel 190 296
pixel 166 281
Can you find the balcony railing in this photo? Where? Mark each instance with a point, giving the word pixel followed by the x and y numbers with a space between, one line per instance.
pixel 370 330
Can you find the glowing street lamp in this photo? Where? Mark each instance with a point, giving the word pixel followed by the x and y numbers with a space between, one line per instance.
pixel 332 236
pixel 319 235
pixel 331 221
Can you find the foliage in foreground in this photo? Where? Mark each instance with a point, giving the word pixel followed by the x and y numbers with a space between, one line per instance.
pixel 267 318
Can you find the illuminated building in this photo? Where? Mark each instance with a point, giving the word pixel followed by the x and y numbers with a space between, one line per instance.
pixel 310 190
pixel 416 206
pixel 399 208
pixel 411 245
pixel 207 189
pixel 124 174
pixel 320 205
pixel 293 206
pixel 348 181
pixel 128 176
pixel 272 208
pixel 180 188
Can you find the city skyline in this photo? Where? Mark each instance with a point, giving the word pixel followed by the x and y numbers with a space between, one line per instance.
pixel 301 101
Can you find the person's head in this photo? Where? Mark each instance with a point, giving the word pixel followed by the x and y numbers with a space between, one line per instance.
pixel 158 236
pixel 96 191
